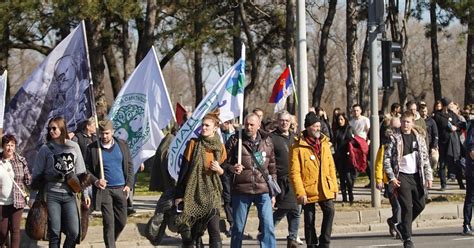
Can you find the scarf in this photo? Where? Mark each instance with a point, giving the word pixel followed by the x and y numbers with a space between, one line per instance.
pixel 314 143
pixel 203 190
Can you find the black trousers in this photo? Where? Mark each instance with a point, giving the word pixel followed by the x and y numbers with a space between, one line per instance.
pixel 310 235
pixel 412 201
pixel 114 214
pixel 189 235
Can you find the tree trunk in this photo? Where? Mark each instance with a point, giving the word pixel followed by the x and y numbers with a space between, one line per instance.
pixel 364 75
pixel 434 52
pixel 469 80
pixel 252 51
pixel 125 50
pixel 323 49
pixel 198 83
pixel 145 30
pixel 289 44
pixel 94 37
pixel 4 47
pixel 113 69
pixel 199 87
pixel 351 40
pixel 236 40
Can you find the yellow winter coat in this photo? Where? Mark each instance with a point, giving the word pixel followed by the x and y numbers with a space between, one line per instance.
pixel 380 175
pixel 308 175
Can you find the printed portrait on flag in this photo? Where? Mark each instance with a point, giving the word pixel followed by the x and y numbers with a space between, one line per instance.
pixel 59 86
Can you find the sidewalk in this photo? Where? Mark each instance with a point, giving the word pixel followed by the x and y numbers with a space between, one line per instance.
pixel 359 218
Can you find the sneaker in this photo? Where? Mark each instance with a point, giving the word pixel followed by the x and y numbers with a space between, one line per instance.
pixel 466 230
pixel 299 241
pixel 391 228
pixel 396 228
pixel 408 244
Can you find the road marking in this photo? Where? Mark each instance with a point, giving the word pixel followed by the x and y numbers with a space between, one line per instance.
pixel 386 245
pixel 463 239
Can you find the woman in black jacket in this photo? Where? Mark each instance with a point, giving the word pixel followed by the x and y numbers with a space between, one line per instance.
pixel 347 173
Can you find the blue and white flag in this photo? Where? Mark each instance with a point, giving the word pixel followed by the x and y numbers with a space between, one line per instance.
pixel 59 86
pixel 142 109
pixel 3 92
pixel 227 95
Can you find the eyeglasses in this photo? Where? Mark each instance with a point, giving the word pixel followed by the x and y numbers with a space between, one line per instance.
pixel 283 120
pixel 52 128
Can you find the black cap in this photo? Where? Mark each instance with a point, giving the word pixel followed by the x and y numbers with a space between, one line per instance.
pixel 310 119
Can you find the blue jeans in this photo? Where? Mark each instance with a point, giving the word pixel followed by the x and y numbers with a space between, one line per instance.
pixel 240 205
pixel 62 212
pixel 468 200
pixel 293 218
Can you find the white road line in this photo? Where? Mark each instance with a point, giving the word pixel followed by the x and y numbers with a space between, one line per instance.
pixel 386 245
pixel 463 239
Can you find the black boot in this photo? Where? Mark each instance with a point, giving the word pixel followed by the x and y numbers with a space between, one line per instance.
pixel 215 244
pixel 198 243
pixel 291 243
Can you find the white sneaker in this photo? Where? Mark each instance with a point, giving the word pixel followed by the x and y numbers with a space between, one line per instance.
pixel 298 240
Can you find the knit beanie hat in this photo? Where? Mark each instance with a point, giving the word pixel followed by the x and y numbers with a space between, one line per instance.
pixel 310 119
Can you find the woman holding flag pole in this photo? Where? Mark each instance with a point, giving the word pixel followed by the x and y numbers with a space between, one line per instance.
pixel 199 188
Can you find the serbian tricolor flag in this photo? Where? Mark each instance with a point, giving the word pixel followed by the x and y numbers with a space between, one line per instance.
pixel 282 89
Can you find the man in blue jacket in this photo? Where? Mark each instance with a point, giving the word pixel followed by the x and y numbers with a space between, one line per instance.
pixel 469 199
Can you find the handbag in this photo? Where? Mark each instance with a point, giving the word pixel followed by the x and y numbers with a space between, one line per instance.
pixel 36 226
pixel 273 187
pixel 73 182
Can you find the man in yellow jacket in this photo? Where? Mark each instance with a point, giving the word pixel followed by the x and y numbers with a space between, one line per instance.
pixel 313 176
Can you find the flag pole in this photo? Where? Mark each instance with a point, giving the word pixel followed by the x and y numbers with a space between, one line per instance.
pixel 293 83
pixel 164 83
pixel 241 116
pixel 94 111
pixel 4 96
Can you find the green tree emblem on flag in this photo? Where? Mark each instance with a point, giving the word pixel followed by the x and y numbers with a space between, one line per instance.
pixel 130 122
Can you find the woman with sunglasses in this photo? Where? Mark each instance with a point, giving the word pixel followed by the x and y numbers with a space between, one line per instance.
pixel 55 160
pixel 14 178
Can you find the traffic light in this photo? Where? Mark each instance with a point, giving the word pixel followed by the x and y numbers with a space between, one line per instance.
pixel 391 63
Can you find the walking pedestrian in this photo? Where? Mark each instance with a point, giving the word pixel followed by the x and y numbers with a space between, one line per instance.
pixel 313 176
pixel 15 177
pixel 111 197
pixel 199 188
pixel 406 163
pixel 286 201
pixel 248 182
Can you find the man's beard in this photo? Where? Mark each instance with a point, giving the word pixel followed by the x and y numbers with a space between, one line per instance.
pixel 317 134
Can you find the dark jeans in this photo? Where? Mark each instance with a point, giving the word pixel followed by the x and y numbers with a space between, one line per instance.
pixel 62 215
pixel 468 200
pixel 347 179
pixel 114 214
pixel 310 220
pixel 292 217
pixel 412 201
pixel 396 212
pixel 189 235
pixel 10 218
pixel 228 213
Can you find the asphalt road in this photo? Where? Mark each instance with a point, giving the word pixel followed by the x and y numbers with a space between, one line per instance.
pixel 446 237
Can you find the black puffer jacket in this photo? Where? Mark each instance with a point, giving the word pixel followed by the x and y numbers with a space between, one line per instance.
pixel 250 181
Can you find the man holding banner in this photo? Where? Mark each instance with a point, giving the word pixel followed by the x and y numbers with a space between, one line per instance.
pixel 249 184
pixel 118 175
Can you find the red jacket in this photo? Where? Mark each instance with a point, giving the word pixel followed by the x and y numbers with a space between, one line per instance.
pixel 358 151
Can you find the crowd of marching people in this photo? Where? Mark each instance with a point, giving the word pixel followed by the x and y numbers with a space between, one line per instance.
pixel 269 164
